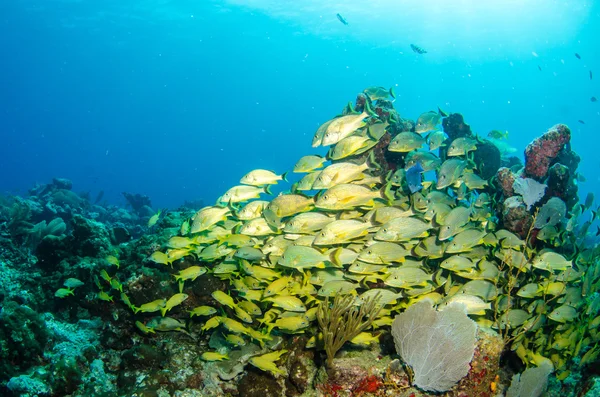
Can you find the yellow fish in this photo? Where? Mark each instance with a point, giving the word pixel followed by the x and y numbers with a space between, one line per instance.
pixel 223 298
pixel 309 164
pixel 202 311
pixel 207 217
pixel 342 231
pixel 347 196
pixel 173 301
pixel 339 173
pixel 252 210
pixel 266 362
pixel 154 218
pixel 290 303
pixel 342 127
pixel 151 307
pixel 240 193
pixel 190 273
pixel 63 292
pixel 113 260
pixel 214 356
pixel 262 177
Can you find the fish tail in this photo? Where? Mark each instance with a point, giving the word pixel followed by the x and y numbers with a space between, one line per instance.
pixel 335 257
pixel 368 110
pixel 387 194
pixel 372 161
pixel 268 190
pixel 284 176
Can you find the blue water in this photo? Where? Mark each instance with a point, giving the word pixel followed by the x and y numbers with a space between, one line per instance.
pixel 178 99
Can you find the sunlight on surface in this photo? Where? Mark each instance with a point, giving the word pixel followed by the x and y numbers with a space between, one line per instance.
pixel 476 25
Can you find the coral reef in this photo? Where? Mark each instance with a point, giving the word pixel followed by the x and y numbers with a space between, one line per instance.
pixel 226 299
pixel 540 153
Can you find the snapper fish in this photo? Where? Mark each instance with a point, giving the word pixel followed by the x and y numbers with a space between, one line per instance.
pixel 377 93
pixel 342 127
pixel 436 140
pixel 406 141
pixel 261 178
pixel 427 122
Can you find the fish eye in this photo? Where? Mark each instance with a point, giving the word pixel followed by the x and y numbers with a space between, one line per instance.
pixel 385 230
pixel 369 252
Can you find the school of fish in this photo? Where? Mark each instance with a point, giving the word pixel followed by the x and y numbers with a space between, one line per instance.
pixel 351 226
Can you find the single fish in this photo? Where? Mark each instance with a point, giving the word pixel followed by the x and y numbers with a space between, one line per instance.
pixel 414 179
pixel 577 56
pixel 262 177
pixel 427 122
pixel 461 147
pixel 497 134
pixel 436 139
pixel 427 160
pixel 581 121
pixel 590 74
pixel 342 127
pixel 341 19
pixel 540 68
pixel 309 163
pixel 417 49
pixel 593 99
pixel 376 93
pixel 406 142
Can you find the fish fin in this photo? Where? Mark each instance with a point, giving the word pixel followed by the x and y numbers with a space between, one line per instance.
pixel 284 176
pixel 386 193
pixel 368 110
pixel 335 257
pixel 442 113
pixel 268 189
pixel 392 93
pixel 372 161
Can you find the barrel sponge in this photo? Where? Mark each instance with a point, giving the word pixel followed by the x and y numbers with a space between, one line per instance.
pixel 437 345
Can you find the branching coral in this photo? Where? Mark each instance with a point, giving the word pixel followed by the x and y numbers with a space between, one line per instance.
pixel 342 321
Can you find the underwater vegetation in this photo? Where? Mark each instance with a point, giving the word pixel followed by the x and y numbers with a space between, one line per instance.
pixel 409 260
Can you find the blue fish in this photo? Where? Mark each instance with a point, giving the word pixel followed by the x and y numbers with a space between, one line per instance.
pixel 342 19
pixel 414 179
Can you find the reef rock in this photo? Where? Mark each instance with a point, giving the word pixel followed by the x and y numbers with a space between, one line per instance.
pixel 540 153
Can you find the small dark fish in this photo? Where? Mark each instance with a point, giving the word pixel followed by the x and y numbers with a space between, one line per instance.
pixel 414 179
pixel 442 113
pixel 593 99
pixel 590 74
pixel 418 49
pixel 581 121
pixel 577 56
pixel 342 19
pixel 540 68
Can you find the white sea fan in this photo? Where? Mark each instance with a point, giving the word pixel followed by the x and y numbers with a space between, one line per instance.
pixel 438 345
pixel 531 190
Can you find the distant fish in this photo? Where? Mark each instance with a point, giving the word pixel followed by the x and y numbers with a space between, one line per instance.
pixel 577 56
pixel 540 68
pixel 341 19
pixel 535 54
pixel 581 121
pixel 593 99
pixel 413 178
pixel 418 49
pixel 101 193
pixel 590 74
